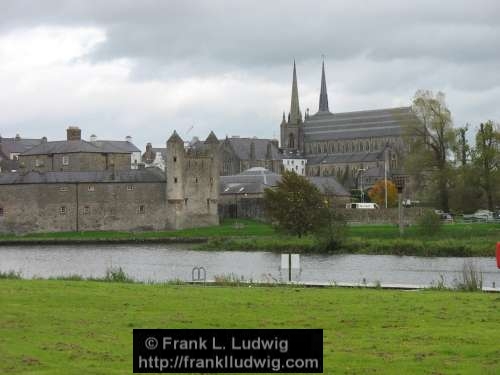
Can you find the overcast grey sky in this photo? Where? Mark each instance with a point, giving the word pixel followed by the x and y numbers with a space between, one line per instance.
pixel 145 68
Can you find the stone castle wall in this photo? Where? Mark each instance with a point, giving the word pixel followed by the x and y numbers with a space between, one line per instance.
pixel 75 207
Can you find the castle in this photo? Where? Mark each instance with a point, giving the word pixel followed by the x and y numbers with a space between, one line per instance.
pixel 342 144
pixel 75 185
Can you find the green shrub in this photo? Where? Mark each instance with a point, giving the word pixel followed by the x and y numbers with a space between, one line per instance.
pixel 429 224
pixel 330 236
pixel 10 275
pixel 117 274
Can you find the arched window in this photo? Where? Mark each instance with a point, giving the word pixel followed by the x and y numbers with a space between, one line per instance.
pixel 291 140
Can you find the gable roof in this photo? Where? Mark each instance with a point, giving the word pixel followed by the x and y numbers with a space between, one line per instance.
pixel 17 145
pixel 241 147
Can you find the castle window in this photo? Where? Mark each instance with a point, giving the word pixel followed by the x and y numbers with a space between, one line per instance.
pixel 211 180
pixel 62 210
pixel 142 209
pixel 65 160
pixel 175 180
pixel 130 187
pixel 1 211
pixel 185 201
pixel 63 189
pixel 91 188
pixel 196 180
pixel 175 159
pixel 86 210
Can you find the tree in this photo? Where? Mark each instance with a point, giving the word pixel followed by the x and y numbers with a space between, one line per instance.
pixel 486 159
pixel 431 141
pixel 295 204
pixel 377 193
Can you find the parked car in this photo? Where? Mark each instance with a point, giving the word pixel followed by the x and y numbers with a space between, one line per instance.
pixel 480 215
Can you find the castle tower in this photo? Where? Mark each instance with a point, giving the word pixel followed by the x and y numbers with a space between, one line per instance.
pixel 215 163
pixel 174 169
pixel 291 130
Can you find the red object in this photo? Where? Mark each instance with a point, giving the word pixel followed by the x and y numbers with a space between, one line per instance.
pixel 498 254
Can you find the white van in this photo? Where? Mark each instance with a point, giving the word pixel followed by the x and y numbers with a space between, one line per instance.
pixel 363 206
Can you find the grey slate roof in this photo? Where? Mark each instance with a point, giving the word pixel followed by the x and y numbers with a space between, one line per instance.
pixel 19 145
pixel 66 147
pixel 256 180
pixel 116 146
pixel 360 124
pixel 241 147
pixel 357 157
pixel 133 175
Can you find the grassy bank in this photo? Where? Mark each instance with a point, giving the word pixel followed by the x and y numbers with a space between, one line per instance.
pixel 79 327
pixel 472 239
pixel 452 240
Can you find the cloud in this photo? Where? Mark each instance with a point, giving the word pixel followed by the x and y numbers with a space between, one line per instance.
pixel 145 68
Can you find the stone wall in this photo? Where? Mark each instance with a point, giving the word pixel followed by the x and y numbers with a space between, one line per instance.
pixel 82 207
pixel 77 162
pixel 381 216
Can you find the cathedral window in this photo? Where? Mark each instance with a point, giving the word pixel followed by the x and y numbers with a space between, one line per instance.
pixel 291 141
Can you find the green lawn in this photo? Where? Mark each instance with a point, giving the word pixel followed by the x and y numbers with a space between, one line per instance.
pixel 82 327
pixel 473 239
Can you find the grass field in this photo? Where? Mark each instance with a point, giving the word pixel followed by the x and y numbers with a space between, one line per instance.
pixel 82 327
pixel 473 239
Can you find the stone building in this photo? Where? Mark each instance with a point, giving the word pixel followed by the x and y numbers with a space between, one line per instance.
pixel 11 148
pixel 77 155
pixel 242 195
pixel 239 154
pixel 341 144
pixel 114 198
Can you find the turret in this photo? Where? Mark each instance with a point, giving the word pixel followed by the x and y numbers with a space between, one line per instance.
pixel 175 167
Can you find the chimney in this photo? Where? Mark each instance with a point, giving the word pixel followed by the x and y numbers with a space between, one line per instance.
pixel 44 139
pixel 74 133
pixel 93 138
pixel 128 138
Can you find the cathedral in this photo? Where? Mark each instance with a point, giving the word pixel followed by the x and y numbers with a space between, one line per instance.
pixel 343 144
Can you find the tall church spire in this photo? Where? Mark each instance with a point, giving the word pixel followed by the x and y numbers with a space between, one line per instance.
pixel 295 115
pixel 323 96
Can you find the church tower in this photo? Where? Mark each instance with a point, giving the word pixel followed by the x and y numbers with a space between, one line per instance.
pixel 323 96
pixel 291 128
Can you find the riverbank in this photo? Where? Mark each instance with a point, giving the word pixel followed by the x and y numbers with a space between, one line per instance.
pixel 463 240
pixel 86 327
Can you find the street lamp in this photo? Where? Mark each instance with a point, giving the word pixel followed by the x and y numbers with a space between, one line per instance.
pixel 400 185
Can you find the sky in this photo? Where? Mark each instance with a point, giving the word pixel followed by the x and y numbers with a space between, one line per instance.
pixel 146 68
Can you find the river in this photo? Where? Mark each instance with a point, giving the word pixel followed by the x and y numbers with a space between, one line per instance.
pixel 160 263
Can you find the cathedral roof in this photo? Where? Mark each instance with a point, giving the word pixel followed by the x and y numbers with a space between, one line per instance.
pixel 357 157
pixel 360 124
pixel 241 147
